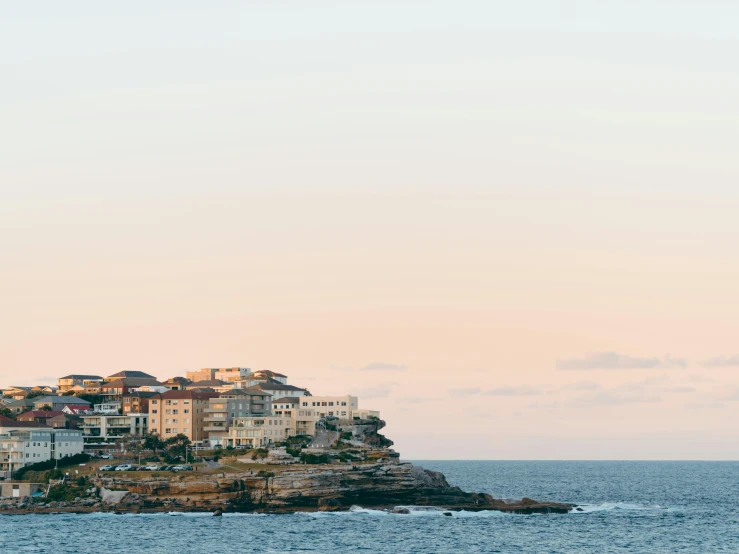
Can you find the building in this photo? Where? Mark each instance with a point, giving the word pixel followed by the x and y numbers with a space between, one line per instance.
pixel 65 421
pixel 222 410
pixel 128 375
pixel 222 374
pixel 115 390
pixel 20 489
pixel 213 384
pixel 180 411
pixel 274 388
pixel 20 406
pixel 263 376
pixel 16 393
pixel 39 416
pixel 137 402
pixel 7 425
pixel 21 447
pixel 177 383
pixel 68 382
pixel 337 406
pixel 302 420
pixel 109 427
pixel 57 403
pixel 109 408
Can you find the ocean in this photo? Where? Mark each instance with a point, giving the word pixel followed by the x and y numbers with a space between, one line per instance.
pixel 628 507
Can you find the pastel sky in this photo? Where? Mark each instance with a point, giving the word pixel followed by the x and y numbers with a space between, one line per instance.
pixel 510 226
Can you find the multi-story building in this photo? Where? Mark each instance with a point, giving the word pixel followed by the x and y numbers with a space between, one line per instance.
pixel 68 382
pixel 338 406
pixel 222 410
pixel 109 427
pixel 180 411
pixel 302 420
pixel 137 402
pixel 21 447
pixel 288 419
pixel 109 408
pixel 176 383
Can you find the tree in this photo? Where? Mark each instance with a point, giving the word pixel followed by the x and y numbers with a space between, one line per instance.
pixel 7 413
pixel 153 442
pixel 177 446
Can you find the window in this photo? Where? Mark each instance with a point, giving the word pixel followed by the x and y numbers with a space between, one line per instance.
pixel 168 431
pixel 185 411
pixel 185 401
pixel 330 403
pixel 168 411
pixel 305 403
pixel 153 411
pixel 174 412
pixel 343 403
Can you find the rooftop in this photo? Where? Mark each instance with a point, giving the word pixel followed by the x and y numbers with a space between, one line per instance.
pixel 131 374
pixel 75 376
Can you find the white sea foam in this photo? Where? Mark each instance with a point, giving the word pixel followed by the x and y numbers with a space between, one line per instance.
pixel 614 506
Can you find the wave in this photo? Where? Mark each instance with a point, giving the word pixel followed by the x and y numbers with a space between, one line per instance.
pixel 615 506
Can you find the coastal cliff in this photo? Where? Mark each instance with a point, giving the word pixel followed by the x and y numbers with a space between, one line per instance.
pixel 297 488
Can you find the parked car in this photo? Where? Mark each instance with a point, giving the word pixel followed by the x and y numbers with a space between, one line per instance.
pixel 152 467
pixel 182 468
pixel 106 456
pixel 125 467
pixel 107 468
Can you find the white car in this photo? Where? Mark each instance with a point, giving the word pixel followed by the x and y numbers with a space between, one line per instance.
pixel 107 468
pixel 152 468
pixel 124 467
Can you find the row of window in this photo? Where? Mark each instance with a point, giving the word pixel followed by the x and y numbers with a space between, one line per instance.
pixel 328 403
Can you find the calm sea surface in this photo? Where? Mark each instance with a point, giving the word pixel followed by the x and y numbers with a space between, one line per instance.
pixel 640 507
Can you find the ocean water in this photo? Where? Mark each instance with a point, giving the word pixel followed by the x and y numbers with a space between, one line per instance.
pixel 628 507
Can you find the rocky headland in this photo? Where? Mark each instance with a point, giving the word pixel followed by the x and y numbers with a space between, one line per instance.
pixel 376 481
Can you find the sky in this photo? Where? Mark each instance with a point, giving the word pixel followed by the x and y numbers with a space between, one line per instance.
pixel 509 226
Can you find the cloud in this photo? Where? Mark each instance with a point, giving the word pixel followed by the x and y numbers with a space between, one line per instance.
pixel 382 390
pixel 616 399
pixel 524 390
pixel 583 385
pixel 382 366
pixel 465 392
pixel 723 361
pixel 614 360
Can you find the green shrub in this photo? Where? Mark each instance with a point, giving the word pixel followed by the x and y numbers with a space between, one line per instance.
pixel 50 464
pixel 308 458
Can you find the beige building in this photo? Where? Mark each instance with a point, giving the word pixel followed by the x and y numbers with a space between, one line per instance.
pixel 288 419
pixel 180 411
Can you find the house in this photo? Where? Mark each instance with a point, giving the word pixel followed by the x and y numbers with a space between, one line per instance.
pixel 30 446
pixel 7 425
pixel 78 411
pixel 137 402
pixel 20 406
pixel 68 382
pixel 57 403
pixel 128 375
pixel 177 383
pixel 272 388
pixel 39 416
pixel 222 410
pixel 109 408
pixel 65 421
pixel 180 411
pixel 213 384
pixel 44 389
pixel 16 392
pixel 115 390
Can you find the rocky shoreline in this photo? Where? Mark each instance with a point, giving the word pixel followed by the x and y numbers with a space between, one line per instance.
pixel 298 488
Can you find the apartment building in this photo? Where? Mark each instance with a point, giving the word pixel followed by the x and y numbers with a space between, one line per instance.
pixel 180 411
pixel 288 419
pixel 301 420
pixel 21 447
pixel 222 410
pixel 273 388
pixel 137 402
pixel 337 406
pixel 109 427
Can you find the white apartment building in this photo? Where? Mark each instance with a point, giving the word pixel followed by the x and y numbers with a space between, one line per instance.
pixel 338 406
pixel 19 448
pixel 107 427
